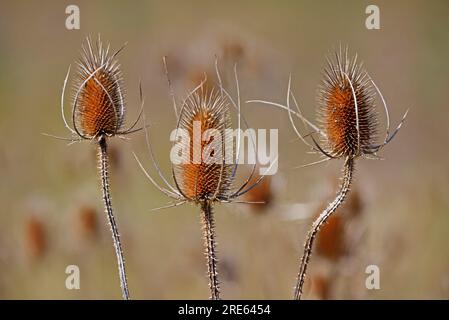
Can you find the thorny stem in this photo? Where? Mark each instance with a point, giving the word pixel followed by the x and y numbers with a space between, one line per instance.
pixel 320 221
pixel 207 221
pixel 103 159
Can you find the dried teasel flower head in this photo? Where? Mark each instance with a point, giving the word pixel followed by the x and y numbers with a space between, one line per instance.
pixel 202 172
pixel 87 221
pixel 348 130
pixel 331 239
pixel 204 175
pixel 35 237
pixel 347 111
pixel 261 196
pixel 347 118
pixel 99 98
pixel 98 112
pixel 321 286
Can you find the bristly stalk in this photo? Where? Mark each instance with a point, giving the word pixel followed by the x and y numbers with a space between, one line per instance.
pixel 320 221
pixel 104 161
pixel 205 182
pixel 348 127
pixel 98 112
pixel 207 221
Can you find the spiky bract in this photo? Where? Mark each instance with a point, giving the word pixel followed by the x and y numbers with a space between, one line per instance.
pixel 204 173
pixel 99 101
pixel 350 124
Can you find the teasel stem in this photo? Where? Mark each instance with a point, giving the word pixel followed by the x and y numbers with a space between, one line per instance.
pixel 104 161
pixel 348 171
pixel 207 221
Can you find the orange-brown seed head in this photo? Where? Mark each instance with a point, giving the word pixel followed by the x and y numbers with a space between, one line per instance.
pixel 98 97
pixel 87 221
pixel 331 242
pixel 345 79
pixel 35 237
pixel 199 179
pixel 262 192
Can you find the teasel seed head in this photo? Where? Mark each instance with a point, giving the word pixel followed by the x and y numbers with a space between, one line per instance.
pixel 35 237
pixel 348 129
pixel 347 110
pixel 204 175
pixel 198 178
pixel 330 241
pixel 98 111
pixel 261 196
pixel 205 170
pixel 99 98
pixel 87 222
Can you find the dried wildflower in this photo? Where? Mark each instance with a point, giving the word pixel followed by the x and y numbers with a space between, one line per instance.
pixel 333 241
pixel 87 221
pixel 98 113
pixel 330 240
pixel 348 130
pixel 347 113
pixel 204 182
pixel 353 206
pixel 260 196
pixel 321 286
pixel 99 106
pixel 35 237
pixel 233 50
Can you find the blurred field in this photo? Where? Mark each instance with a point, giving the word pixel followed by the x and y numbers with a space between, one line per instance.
pixel 46 187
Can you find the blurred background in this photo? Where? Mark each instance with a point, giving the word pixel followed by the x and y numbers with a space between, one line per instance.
pixel 52 216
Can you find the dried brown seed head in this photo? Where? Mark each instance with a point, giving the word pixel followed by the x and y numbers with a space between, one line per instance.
pixel 321 286
pixel 199 177
pixel 35 237
pixel 99 105
pixel 261 195
pixel 353 206
pixel 347 111
pixel 233 51
pixel 87 222
pixel 331 239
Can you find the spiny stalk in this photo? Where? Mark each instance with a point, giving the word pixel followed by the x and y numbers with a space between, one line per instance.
pixel 98 113
pixel 204 182
pixel 320 221
pixel 348 130
pixel 208 225
pixel 104 162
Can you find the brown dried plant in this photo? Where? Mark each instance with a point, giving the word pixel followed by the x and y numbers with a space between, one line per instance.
pixel 204 183
pixel 348 128
pixel 35 237
pixel 98 113
pixel 87 222
pixel 261 196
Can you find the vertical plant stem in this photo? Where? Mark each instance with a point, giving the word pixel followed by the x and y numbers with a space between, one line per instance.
pixel 348 171
pixel 207 221
pixel 104 161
